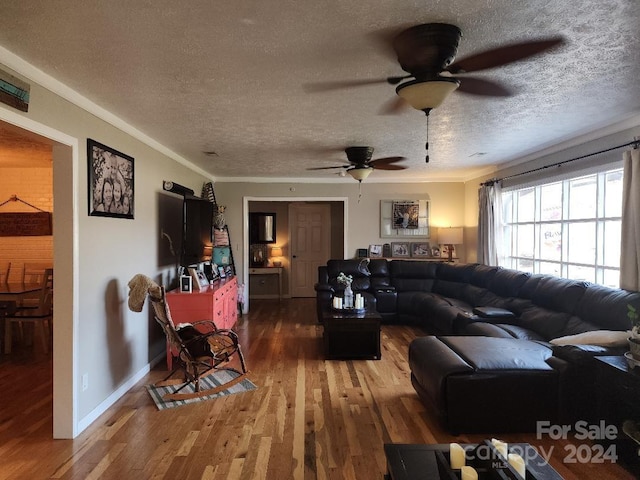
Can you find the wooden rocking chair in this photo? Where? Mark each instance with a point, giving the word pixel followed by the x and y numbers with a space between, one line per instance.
pixel 201 348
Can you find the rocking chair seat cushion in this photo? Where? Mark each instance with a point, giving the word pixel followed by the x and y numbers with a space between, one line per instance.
pixel 194 340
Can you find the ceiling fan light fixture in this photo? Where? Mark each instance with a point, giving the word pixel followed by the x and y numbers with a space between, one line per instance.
pixel 427 94
pixel 360 173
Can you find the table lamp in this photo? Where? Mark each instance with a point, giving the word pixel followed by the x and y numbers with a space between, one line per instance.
pixel 450 236
pixel 276 253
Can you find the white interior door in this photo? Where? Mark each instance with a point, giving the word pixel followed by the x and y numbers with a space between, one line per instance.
pixel 310 245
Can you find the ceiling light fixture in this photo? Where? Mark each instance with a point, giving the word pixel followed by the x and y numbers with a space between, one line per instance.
pixel 425 95
pixel 360 173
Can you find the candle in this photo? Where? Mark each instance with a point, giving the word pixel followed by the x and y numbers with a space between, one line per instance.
pixel 518 465
pixel 456 455
pixel 468 473
pixel 501 446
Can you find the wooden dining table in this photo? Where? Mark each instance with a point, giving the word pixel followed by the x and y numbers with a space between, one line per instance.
pixel 10 295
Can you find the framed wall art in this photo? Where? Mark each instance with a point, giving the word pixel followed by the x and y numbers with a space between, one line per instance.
pixel 111 181
pixel 400 249
pixel 404 218
pixel 420 250
pixel 375 251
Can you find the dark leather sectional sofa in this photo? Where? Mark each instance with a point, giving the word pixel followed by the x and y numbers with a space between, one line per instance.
pixel 490 336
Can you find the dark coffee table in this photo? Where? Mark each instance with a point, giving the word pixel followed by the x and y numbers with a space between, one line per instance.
pixel 351 335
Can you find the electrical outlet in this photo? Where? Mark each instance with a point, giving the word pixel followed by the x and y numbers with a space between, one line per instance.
pixel 85 382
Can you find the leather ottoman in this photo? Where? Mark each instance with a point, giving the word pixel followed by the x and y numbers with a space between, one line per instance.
pixel 485 384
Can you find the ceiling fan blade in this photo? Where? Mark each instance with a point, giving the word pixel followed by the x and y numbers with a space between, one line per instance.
pixel 394 106
pixel 382 162
pixel 480 86
pixel 329 168
pixel 503 55
pixel 389 167
pixel 340 84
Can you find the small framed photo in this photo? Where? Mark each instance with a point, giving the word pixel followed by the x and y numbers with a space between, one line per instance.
pixel 399 249
pixel 444 249
pixel 203 281
pixel 375 251
pixel 435 252
pixel 420 250
pixel 111 182
pixel 221 272
pixel 195 281
pixel 362 252
pixel 185 284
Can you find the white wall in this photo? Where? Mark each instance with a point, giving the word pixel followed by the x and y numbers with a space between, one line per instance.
pixel 363 217
pixel 95 334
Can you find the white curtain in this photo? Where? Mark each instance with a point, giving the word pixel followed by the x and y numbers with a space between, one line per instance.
pixel 630 245
pixel 489 223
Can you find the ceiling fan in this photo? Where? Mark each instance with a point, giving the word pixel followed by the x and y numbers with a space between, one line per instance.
pixel 360 164
pixel 427 53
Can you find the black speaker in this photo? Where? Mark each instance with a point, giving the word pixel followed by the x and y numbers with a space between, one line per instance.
pixel 176 188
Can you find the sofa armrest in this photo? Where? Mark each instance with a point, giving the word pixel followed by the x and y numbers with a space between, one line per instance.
pixel 323 287
pixel 582 353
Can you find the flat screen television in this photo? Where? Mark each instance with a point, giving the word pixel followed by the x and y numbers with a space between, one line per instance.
pixel 197 244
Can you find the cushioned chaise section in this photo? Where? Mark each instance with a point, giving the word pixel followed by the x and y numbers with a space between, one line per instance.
pixel 444 362
pixel 483 384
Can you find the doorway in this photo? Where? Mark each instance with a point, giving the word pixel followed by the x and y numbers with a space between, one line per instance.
pixel 338 208
pixel 65 159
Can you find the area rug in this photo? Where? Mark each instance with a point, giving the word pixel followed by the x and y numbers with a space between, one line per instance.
pixel 210 381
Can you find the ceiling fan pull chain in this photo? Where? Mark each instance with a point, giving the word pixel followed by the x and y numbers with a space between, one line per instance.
pixel 359 191
pixel 426 146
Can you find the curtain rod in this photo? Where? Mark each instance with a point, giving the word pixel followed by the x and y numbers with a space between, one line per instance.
pixel 488 183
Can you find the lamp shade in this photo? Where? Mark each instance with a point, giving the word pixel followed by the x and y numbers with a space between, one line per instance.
pixel 360 173
pixel 427 94
pixel 450 236
pixel 276 252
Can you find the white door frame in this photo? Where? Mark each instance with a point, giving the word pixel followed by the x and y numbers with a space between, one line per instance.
pixel 245 229
pixel 65 260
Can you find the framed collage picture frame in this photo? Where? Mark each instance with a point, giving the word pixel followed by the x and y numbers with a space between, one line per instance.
pixel 404 219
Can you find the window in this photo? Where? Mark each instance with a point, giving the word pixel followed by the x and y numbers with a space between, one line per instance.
pixel 569 228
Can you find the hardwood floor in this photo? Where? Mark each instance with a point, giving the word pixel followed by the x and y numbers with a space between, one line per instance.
pixel 308 418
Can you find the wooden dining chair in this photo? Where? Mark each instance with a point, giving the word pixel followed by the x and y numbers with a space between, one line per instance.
pixel 32 272
pixel 41 316
pixel 5 269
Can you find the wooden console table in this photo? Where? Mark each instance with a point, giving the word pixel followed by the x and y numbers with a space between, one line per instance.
pixel 269 271
pixel 217 302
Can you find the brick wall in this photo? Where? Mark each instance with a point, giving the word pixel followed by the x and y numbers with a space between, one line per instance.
pixel 35 186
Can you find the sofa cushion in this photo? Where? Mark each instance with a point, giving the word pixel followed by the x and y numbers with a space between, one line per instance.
pixel 482 275
pixel 601 338
pixel 487 353
pixel 559 294
pixel 606 307
pixel 507 283
pixel 547 323
pixel 413 276
pixel 380 276
pixel 348 267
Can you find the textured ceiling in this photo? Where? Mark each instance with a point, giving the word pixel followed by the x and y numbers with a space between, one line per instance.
pixel 227 77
